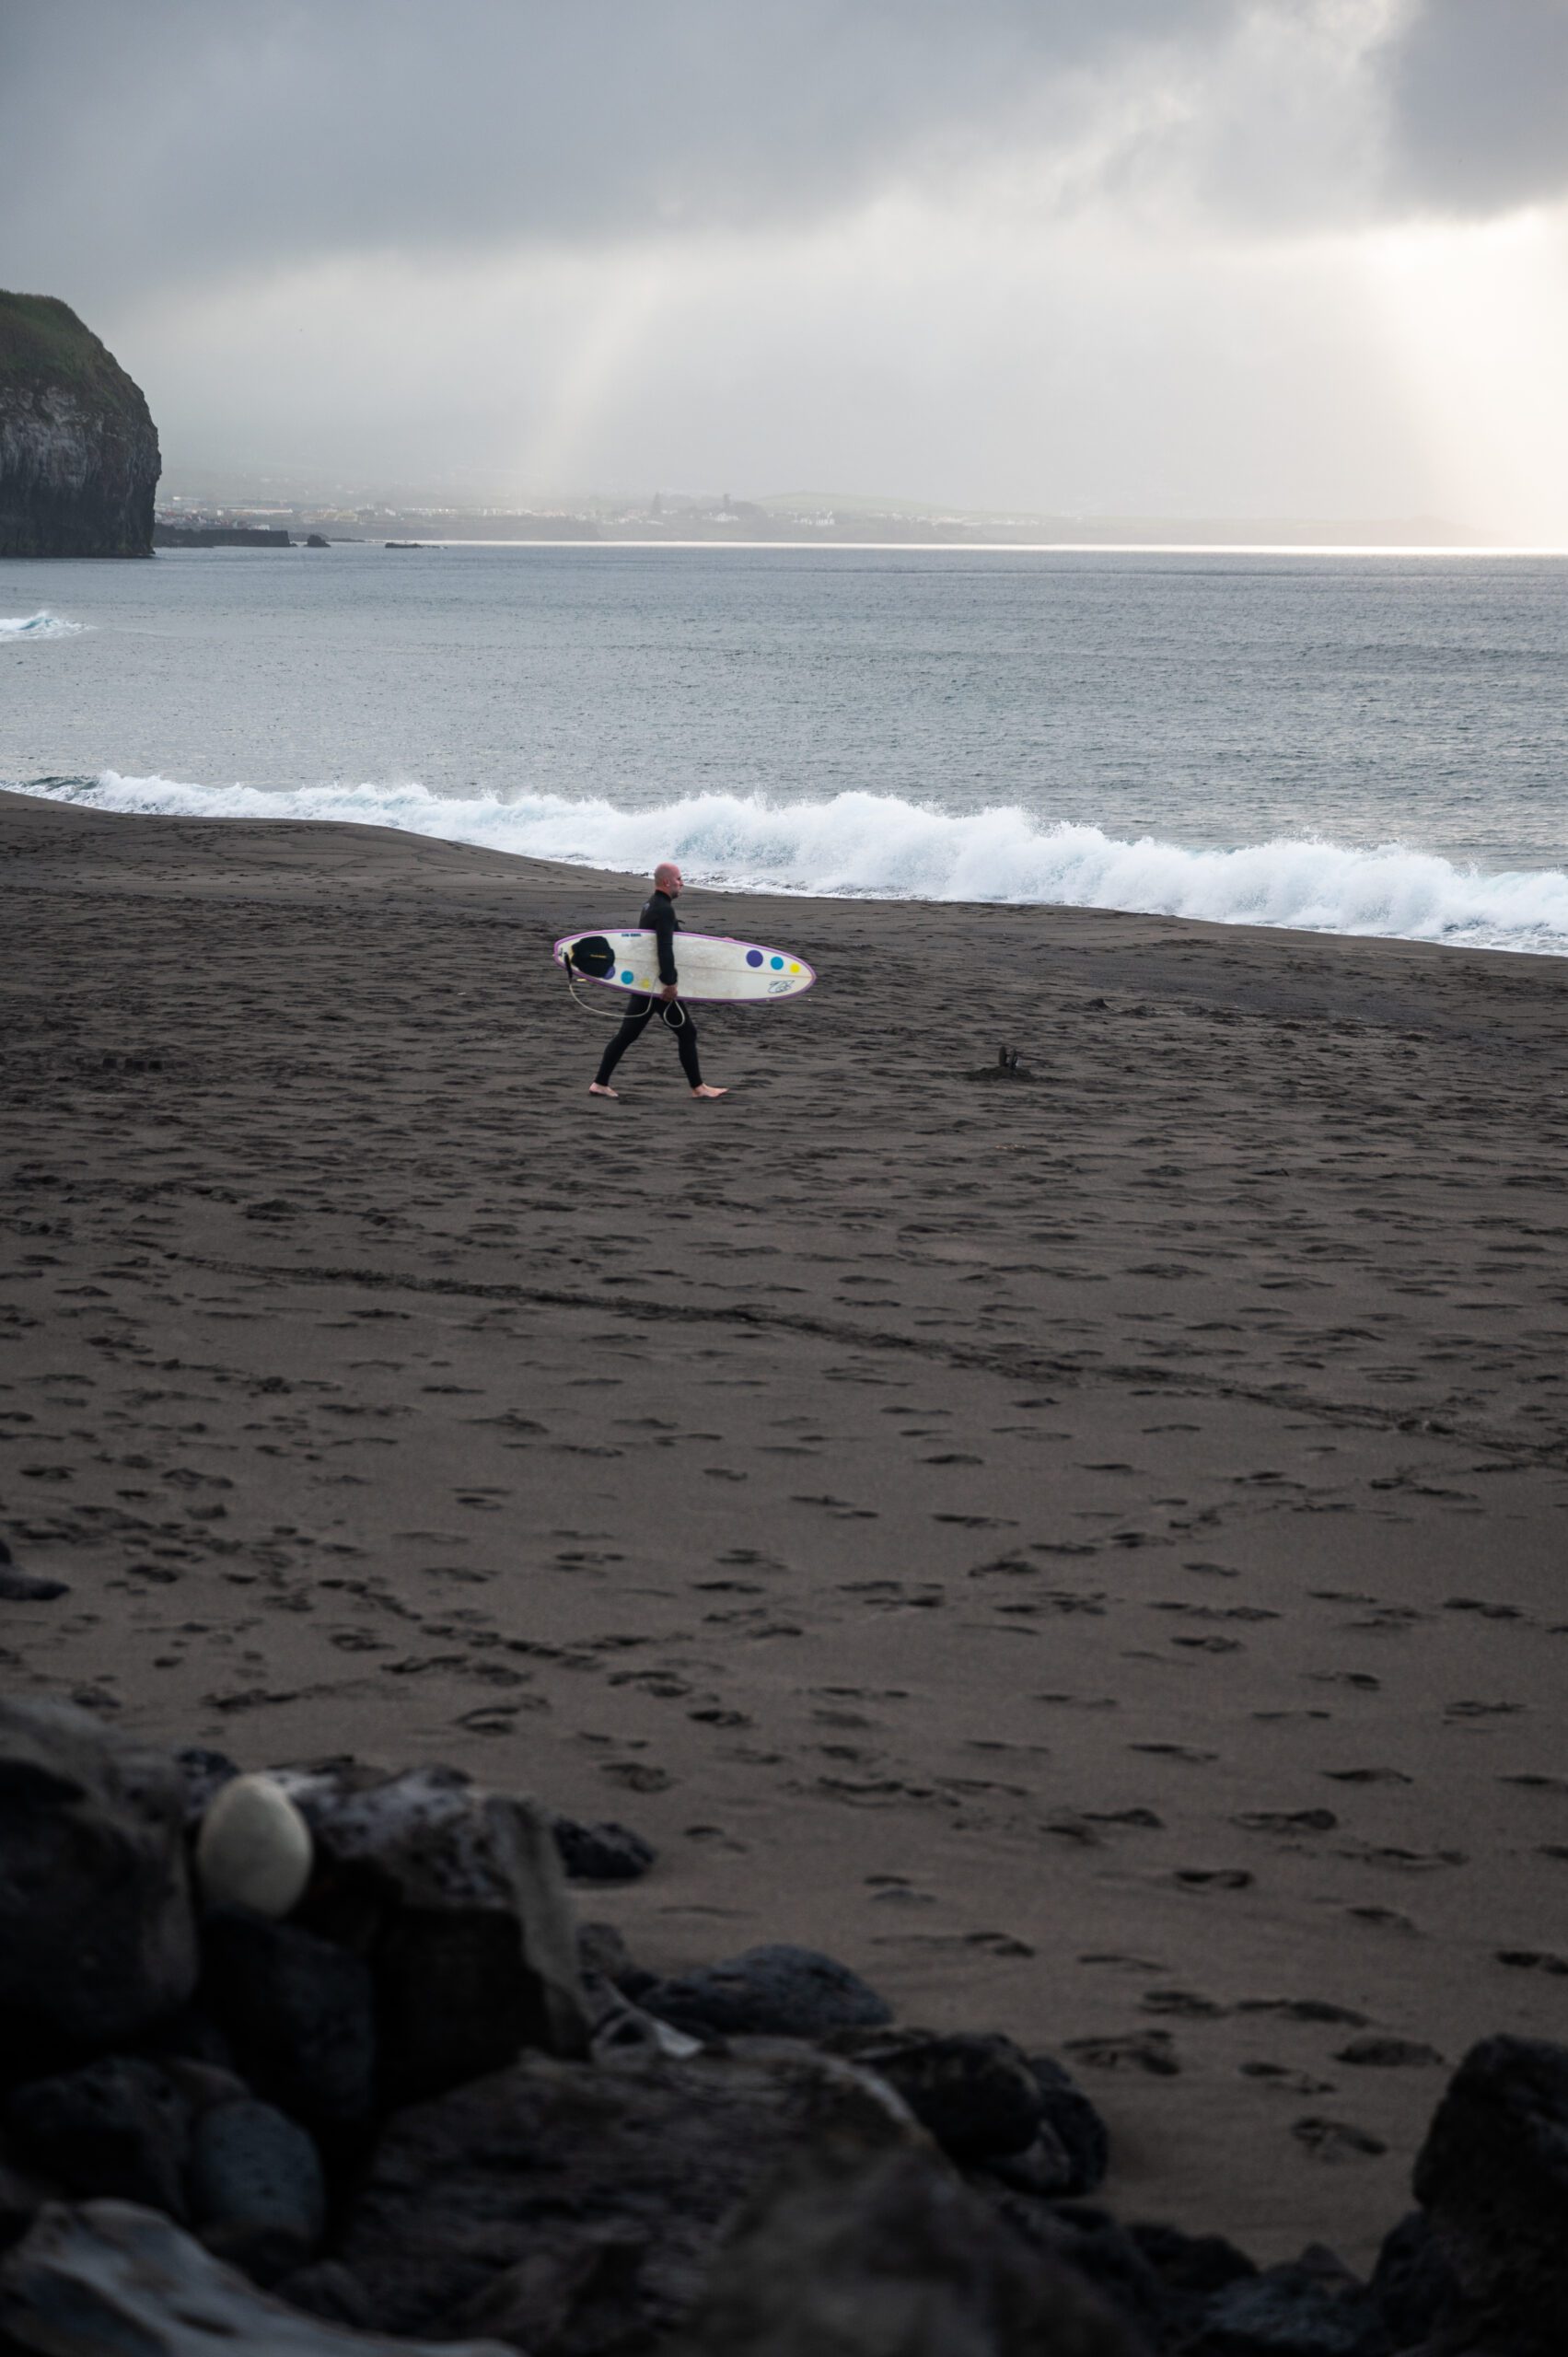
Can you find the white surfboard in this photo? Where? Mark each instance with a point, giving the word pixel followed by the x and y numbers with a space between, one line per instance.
pixel 709 966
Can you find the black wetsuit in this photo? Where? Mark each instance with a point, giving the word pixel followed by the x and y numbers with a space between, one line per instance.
pixel 659 917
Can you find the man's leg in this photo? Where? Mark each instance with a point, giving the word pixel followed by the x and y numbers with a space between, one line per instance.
pixel 635 1024
pixel 686 1042
pixel 686 1046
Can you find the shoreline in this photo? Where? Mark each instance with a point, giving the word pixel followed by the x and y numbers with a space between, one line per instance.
pixel 980 1528
pixel 1466 871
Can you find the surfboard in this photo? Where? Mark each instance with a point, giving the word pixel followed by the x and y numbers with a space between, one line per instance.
pixel 710 966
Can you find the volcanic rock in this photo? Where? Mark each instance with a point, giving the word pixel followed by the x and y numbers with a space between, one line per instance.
pixel 1311 2306
pixel 606 2184
pixel 22 2196
pixel 1071 2119
pixel 456 1900
pixel 203 1772
pixel 1413 2284
pixel 98 1940
pixel 772 1991
pixel 976 2094
pixel 78 451
pixel 886 2254
pixel 258 2196
pixel 110 2277
pixel 606 1852
pixel 119 2128
pixel 299 2013
pixel 1493 2177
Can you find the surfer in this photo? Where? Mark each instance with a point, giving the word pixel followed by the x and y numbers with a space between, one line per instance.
pixel 658 918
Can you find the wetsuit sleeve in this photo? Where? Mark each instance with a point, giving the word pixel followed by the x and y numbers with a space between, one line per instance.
pixel 664 928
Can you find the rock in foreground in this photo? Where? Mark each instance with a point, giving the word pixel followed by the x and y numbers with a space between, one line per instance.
pixel 887 2255
pixel 98 1938
pixel 78 450
pixel 110 2277
pixel 560 2188
pixel 1493 2177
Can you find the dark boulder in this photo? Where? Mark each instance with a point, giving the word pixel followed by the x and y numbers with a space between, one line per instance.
pixel 1080 2235
pixel 1071 2119
pixel 258 2195
pixel 614 2179
pixel 456 1900
pixel 108 2280
pixel 976 2094
pixel 98 1940
pixel 1042 2170
pixel 850 2254
pixel 119 2128
pixel 1493 2177
pixel 1194 2265
pixel 203 1773
pixel 299 2012
pixel 78 451
pixel 1413 2284
pixel 608 1853
pixel 1311 2306
pixel 22 2195
pixel 326 2289
pixel 603 1956
pixel 772 1991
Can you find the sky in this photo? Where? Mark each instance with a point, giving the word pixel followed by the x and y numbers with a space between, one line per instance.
pixel 1206 258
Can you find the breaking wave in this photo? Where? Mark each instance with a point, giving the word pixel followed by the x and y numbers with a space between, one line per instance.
pixel 878 846
pixel 39 625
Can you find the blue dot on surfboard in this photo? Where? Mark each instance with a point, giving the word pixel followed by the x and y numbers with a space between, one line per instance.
pixel 753 956
pixel 627 975
pixel 777 965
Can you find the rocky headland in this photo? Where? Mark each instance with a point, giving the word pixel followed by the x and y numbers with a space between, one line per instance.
pixel 78 449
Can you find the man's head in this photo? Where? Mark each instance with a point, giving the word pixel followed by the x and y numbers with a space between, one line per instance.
pixel 667 879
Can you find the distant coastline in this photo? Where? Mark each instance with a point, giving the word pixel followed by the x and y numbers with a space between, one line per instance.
pixel 800 519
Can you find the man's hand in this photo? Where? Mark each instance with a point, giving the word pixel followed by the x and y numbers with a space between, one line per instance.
pixel 670 989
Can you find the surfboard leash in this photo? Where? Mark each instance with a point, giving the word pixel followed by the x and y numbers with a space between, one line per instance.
pixel 670 1012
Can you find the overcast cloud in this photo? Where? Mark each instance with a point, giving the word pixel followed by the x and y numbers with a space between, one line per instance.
pixel 1197 254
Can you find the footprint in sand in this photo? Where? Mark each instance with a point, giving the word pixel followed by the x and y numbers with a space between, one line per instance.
pixel 1150 2051
pixel 1288 2081
pixel 1335 2141
pixel 1379 2053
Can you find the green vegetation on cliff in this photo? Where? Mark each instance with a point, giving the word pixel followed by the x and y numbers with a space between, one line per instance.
pixel 43 343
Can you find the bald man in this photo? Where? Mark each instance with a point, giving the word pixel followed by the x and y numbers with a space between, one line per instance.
pixel 659 917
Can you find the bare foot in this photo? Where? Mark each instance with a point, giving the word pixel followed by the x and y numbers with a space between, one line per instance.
pixel 598 1089
pixel 706 1091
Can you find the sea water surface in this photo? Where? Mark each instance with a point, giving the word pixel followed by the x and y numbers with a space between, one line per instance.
pixel 1345 743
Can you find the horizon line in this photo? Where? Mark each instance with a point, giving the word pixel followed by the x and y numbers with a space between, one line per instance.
pixel 1015 548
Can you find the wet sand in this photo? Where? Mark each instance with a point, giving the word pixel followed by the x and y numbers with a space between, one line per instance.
pixel 1088 1550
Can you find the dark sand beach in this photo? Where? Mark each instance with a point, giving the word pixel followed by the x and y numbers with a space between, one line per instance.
pixel 1088 1550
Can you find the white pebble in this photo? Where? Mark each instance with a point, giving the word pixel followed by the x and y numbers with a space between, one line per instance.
pixel 254 1848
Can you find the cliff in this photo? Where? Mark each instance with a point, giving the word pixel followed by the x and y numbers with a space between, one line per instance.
pixel 78 450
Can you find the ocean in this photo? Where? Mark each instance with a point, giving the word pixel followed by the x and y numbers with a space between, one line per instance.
pixel 1371 745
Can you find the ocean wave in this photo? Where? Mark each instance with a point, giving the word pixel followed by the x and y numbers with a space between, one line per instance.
pixel 39 625
pixel 876 846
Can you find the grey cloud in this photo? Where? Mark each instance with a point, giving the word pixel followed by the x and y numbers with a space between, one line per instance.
pixel 179 139
pixel 1477 95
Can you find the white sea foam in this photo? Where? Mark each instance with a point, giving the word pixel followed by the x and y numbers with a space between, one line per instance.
pixel 39 625
pixel 878 846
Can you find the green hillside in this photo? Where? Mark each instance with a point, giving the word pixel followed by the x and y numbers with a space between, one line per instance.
pixel 44 341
